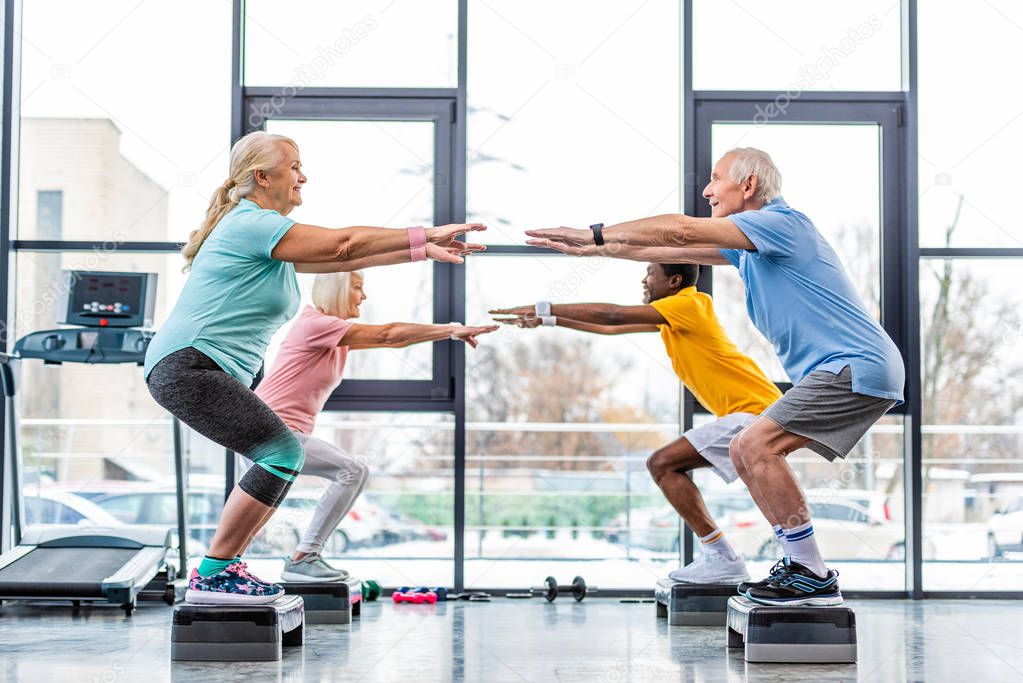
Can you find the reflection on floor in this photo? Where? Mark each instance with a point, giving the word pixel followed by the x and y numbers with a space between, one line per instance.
pixel 600 639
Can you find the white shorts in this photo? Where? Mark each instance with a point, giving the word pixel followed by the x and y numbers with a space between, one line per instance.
pixel 711 442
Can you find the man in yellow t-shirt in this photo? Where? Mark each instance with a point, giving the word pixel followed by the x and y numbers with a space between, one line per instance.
pixel 724 380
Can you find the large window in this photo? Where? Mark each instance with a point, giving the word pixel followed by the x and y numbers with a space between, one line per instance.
pixel 125 110
pixel 582 124
pixel 566 113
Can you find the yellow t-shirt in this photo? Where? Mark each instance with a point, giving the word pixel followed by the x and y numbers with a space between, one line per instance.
pixel 722 378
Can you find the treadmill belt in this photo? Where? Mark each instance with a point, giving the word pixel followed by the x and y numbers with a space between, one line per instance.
pixel 60 572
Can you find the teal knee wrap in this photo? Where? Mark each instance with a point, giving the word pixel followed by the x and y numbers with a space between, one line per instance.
pixel 282 456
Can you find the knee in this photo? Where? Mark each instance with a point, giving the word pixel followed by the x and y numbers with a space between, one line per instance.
pixel 747 456
pixel 658 464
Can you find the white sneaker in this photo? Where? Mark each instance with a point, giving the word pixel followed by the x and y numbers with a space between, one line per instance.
pixel 711 567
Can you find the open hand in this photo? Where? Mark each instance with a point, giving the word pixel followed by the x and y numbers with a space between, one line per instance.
pixel 516 310
pixel 522 321
pixel 469 334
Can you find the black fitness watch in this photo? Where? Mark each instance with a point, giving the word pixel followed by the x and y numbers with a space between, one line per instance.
pixel 598 234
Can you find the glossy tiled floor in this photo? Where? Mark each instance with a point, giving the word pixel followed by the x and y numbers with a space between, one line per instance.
pixel 505 640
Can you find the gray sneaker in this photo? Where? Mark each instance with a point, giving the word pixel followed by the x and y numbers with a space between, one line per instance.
pixel 312 567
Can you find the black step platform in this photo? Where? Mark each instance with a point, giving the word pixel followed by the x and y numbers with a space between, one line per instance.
pixel 792 634
pixel 229 633
pixel 693 604
pixel 328 602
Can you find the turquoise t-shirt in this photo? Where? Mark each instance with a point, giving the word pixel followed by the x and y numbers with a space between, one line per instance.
pixel 800 297
pixel 236 297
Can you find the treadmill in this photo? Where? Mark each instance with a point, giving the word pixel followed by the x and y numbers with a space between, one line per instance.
pixel 114 564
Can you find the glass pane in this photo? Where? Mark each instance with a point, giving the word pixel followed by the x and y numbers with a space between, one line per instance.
pixel 844 204
pixel 856 504
pixel 972 327
pixel 401 530
pixel 583 124
pixel 560 424
pixel 356 43
pixel 103 454
pixel 796 45
pixel 129 163
pixel 385 179
pixel 962 203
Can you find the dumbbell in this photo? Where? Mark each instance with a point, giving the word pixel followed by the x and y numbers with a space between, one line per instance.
pixel 440 591
pixel 370 590
pixel 550 589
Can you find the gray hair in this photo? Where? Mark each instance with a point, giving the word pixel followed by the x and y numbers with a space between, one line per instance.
pixel 750 161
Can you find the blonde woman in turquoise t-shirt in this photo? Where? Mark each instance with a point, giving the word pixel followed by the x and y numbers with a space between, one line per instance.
pixel 241 289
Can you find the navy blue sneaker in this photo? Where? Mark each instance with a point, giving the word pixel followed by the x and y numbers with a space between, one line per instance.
pixel 779 568
pixel 799 586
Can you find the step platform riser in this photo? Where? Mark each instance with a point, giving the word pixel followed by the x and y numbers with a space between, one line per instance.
pixel 230 633
pixel 792 634
pixel 329 602
pixel 690 604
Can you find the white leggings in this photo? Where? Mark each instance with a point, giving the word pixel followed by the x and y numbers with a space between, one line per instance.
pixel 347 477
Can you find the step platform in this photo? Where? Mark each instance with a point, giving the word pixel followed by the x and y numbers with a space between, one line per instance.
pixel 328 602
pixel 237 633
pixel 792 634
pixel 693 604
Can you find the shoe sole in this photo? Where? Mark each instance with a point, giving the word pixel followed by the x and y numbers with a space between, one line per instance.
pixel 305 578
pixel 722 580
pixel 194 597
pixel 816 601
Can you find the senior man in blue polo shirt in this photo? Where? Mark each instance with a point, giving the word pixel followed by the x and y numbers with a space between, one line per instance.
pixel 846 370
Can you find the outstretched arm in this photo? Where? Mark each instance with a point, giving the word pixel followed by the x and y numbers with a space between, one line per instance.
pixel 667 230
pixel 702 256
pixel 401 256
pixel 312 244
pixel 531 321
pixel 400 335
pixel 599 314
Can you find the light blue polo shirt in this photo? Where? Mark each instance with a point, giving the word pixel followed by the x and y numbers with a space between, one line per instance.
pixel 236 296
pixel 800 297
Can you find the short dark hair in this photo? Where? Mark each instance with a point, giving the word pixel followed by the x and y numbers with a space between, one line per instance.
pixel 690 272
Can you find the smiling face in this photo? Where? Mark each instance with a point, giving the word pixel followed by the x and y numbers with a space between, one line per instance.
pixel 657 285
pixel 356 295
pixel 282 185
pixel 727 197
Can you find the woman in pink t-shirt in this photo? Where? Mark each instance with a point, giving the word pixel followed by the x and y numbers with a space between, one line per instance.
pixel 308 367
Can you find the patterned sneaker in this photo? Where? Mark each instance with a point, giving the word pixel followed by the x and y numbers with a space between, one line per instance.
pixel 233 586
pixel 799 586
pixel 779 568
pixel 311 567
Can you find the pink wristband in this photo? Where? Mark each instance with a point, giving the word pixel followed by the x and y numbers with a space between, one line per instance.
pixel 417 242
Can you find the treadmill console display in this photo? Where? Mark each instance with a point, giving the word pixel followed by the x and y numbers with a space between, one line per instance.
pixel 102 299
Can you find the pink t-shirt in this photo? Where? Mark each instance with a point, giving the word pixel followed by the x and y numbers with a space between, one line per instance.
pixel 308 367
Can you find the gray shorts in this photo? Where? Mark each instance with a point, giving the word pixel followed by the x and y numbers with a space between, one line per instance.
pixel 823 407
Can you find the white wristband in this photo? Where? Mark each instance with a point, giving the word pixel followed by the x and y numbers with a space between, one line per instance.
pixel 548 320
pixel 542 308
pixel 453 335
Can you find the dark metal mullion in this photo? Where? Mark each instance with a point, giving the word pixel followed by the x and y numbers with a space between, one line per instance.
pixel 970 253
pixel 912 438
pixel 690 187
pixel 806 96
pixel 458 207
pixel 352 93
pixel 95 245
pixel 9 141
pixel 237 69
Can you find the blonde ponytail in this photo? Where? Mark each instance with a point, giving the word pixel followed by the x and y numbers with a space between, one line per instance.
pixel 256 151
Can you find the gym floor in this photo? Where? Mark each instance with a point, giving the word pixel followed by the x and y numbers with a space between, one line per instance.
pixel 600 639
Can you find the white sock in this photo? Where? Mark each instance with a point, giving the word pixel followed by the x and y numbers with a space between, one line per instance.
pixel 717 542
pixel 802 548
pixel 780 535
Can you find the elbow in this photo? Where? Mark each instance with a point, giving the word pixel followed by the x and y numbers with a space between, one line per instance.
pixel 682 231
pixel 615 316
pixel 342 247
pixel 389 335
